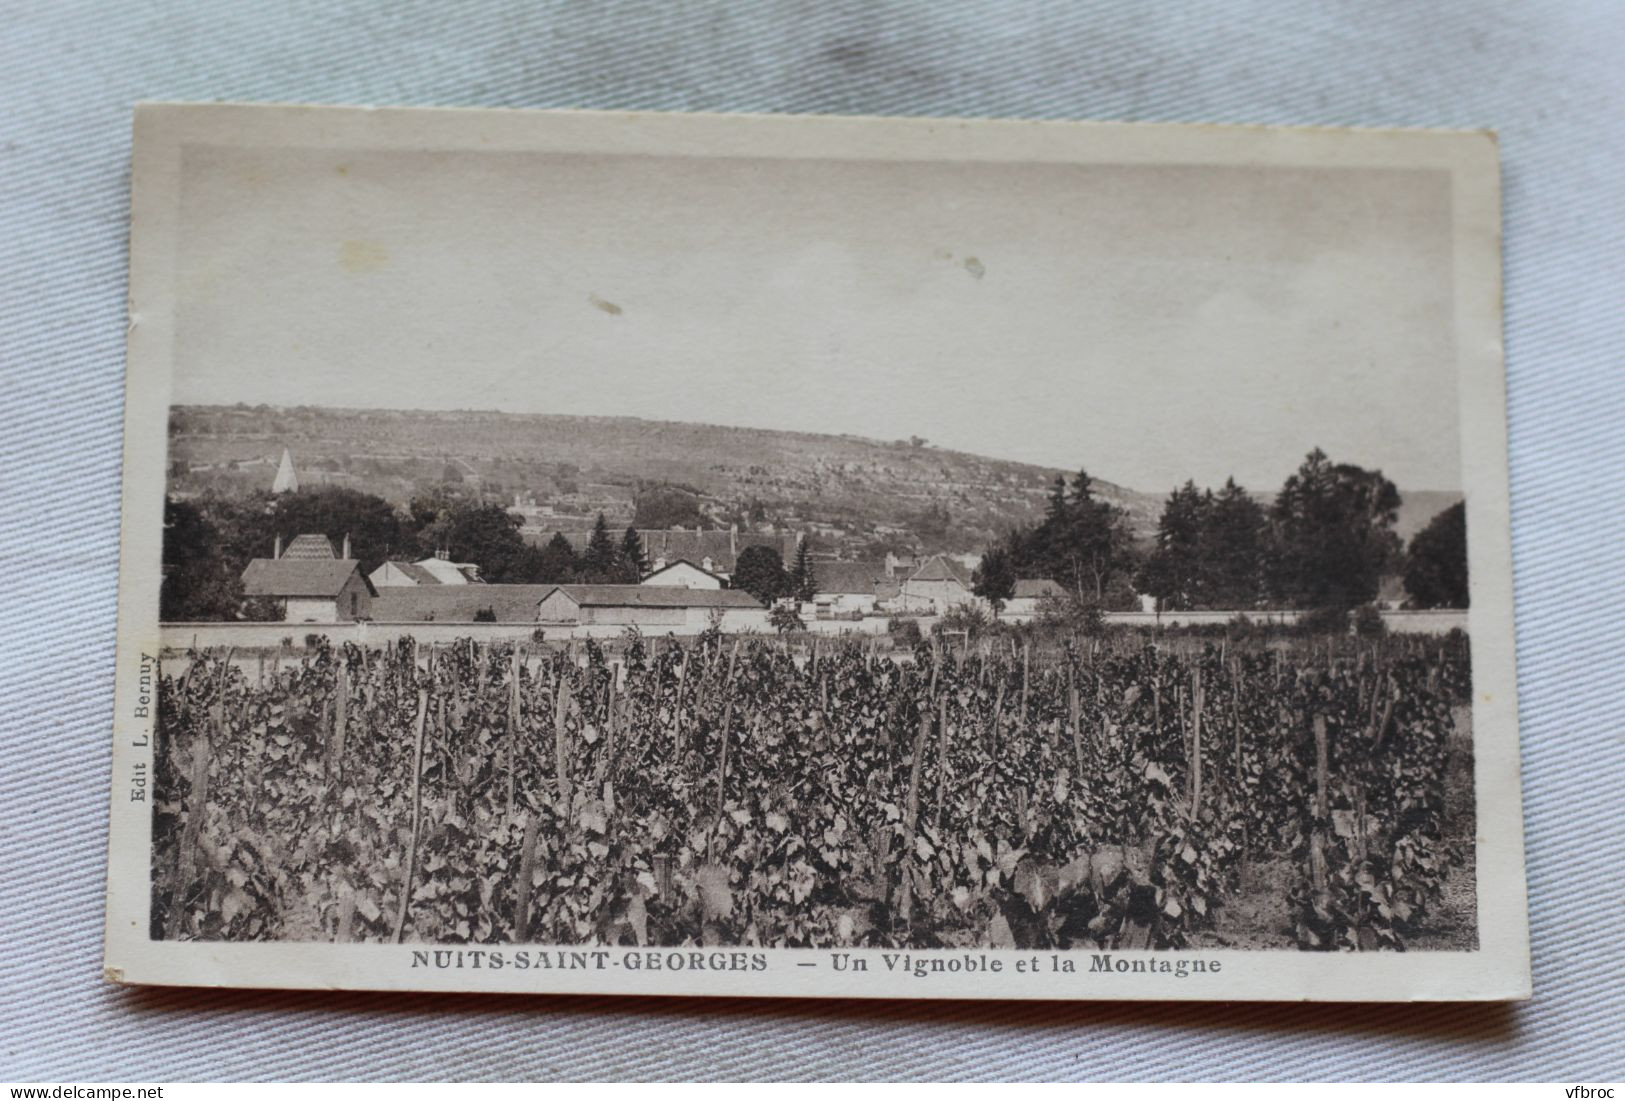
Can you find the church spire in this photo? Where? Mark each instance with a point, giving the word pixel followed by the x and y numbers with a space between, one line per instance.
pixel 287 481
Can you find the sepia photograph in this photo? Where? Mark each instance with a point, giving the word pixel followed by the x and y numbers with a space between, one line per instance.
pixel 570 551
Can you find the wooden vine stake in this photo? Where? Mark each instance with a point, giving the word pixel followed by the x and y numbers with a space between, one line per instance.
pixel 527 871
pixel 515 662
pixel 417 814
pixel 606 759
pixel 942 760
pixel 1196 740
pixel 1026 655
pixel 722 776
pixel 677 709
pixel 1235 724
pixel 561 743
pixel 341 720
pixel 1072 707
pixel 911 818
pixel 1156 707
pixel 1317 839
pixel 998 719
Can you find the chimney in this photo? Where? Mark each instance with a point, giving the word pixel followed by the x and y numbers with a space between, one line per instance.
pixel 276 551
pixel 346 554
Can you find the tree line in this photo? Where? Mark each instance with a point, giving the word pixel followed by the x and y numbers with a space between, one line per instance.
pixel 209 541
pixel 1326 541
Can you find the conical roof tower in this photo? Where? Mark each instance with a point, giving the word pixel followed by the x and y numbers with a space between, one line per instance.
pixel 287 481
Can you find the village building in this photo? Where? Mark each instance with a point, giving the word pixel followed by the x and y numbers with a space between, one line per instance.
pixel 682 574
pixel 309 583
pixel 843 589
pixel 940 585
pixel 437 570
pixel 1029 593
pixel 651 607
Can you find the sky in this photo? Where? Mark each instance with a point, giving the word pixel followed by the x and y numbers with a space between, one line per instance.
pixel 1150 323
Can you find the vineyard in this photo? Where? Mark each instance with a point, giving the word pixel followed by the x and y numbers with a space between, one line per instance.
pixel 723 791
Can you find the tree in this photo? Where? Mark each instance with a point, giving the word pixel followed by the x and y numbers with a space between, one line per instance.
pixel 785 619
pixel 994 579
pixel 556 563
pixel 666 506
pixel 1234 547
pixel 488 536
pixel 1081 542
pixel 759 571
pixel 633 563
pixel 374 527
pixel 1176 573
pixel 599 561
pixel 1436 563
pixel 1333 534
pixel 199 582
pixel 1099 536
pixel 803 580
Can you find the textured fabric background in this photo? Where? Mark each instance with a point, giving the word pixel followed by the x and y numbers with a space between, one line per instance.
pixel 1545 73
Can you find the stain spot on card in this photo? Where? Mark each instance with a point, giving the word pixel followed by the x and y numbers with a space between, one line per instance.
pixel 362 256
pixel 975 267
pixel 604 304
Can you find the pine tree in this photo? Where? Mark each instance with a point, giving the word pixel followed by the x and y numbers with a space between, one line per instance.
pixel 803 577
pixel 1333 534
pixel 1234 544
pixel 557 563
pixel 1176 572
pixel 600 559
pixel 633 564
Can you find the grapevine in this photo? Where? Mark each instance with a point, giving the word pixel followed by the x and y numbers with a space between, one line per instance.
pixel 742 791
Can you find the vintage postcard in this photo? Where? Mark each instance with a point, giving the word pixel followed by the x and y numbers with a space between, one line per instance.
pixel 632 553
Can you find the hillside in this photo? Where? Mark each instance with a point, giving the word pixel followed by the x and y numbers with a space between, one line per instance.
pixel 852 492
pixel 856 495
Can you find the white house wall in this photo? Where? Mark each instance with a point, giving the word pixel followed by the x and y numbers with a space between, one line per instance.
pixel 683 576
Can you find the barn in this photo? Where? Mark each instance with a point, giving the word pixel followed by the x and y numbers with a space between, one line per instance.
pixel 937 587
pixel 851 588
pixel 311 590
pixel 658 608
